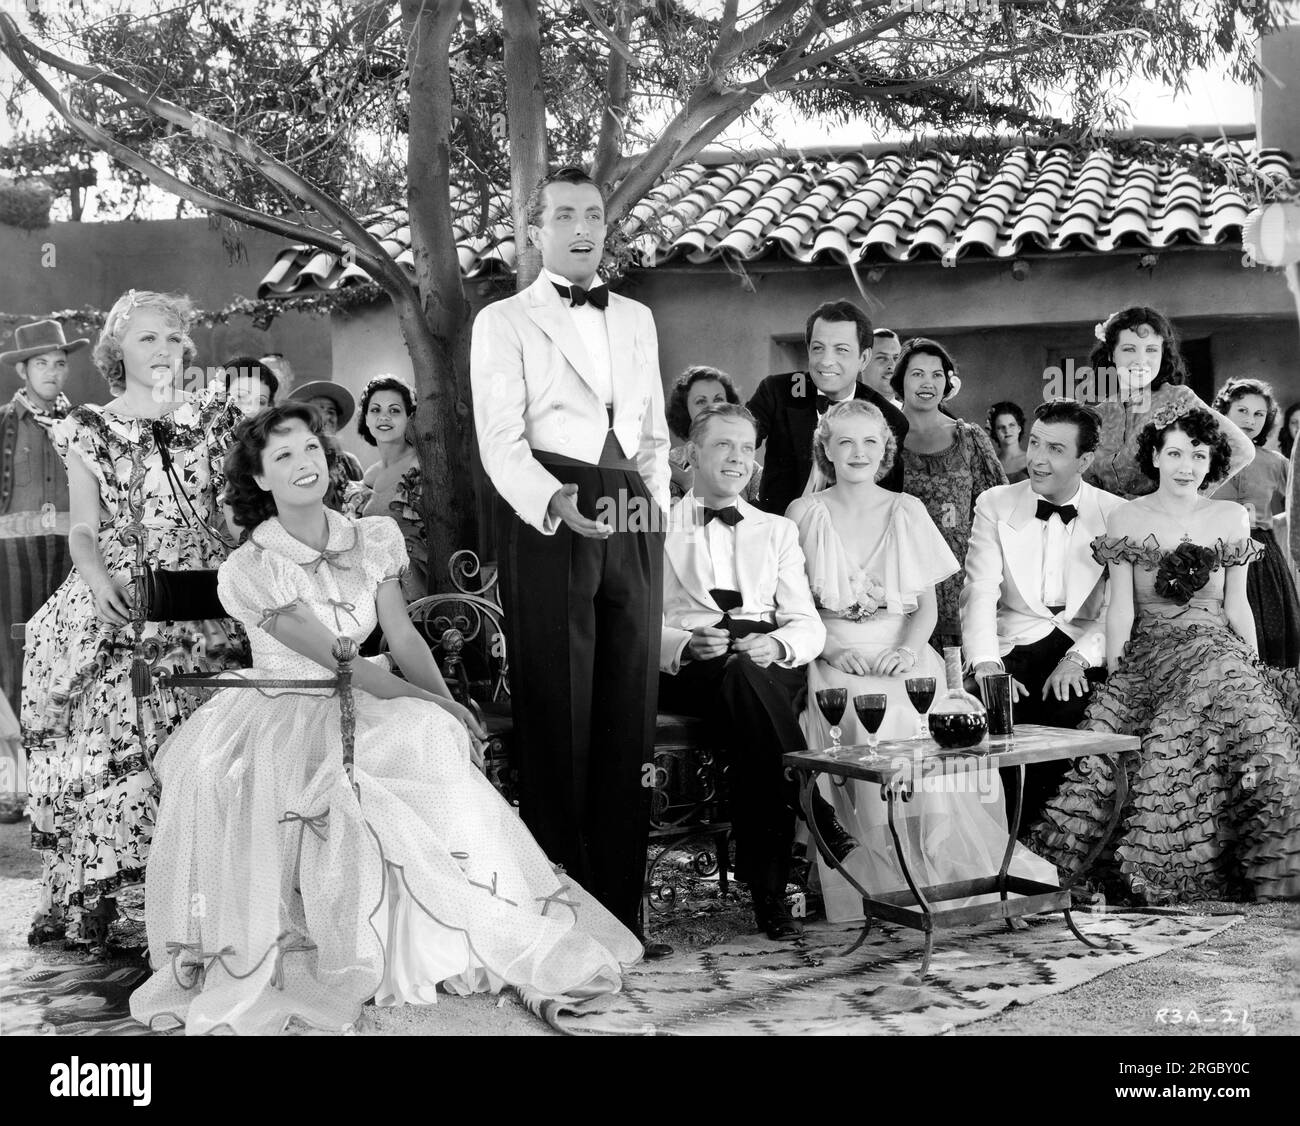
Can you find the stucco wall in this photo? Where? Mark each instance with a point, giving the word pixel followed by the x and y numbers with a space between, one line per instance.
pixel 71 265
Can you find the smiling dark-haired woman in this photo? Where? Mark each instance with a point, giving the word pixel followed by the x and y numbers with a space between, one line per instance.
pixel 1214 811
pixel 315 894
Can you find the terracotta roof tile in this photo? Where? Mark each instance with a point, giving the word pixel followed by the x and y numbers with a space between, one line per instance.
pixel 861 208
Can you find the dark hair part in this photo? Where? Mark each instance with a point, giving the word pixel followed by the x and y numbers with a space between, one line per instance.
pixel 1236 389
pixel 1285 440
pixel 840 412
pixel 678 411
pixel 569 174
pixel 1086 421
pixel 923 346
pixel 840 312
pixel 1200 426
pixel 1005 407
pixel 250 505
pixel 721 410
pixel 1173 369
pixel 239 366
pixel 383 383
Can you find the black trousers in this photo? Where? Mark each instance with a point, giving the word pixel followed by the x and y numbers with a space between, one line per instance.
pixel 1032 665
pixel 752 712
pixel 584 619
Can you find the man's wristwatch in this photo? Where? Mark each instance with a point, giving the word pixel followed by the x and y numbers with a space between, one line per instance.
pixel 1077 659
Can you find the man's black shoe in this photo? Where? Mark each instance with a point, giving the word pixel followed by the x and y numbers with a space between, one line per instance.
pixel 838 839
pixel 773 917
pixel 654 950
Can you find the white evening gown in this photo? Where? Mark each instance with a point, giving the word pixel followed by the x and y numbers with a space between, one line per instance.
pixel 275 891
pixel 954 833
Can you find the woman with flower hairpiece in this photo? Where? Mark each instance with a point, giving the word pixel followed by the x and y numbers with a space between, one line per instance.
pixel 393 486
pixel 1214 811
pixel 1138 368
pixel 93 795
pixel 873 559
pixel 1261 488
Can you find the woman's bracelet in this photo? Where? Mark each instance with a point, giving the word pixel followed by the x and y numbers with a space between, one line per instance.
pixel 905 649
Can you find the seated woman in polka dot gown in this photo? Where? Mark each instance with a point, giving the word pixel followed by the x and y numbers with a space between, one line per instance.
pixel 275 890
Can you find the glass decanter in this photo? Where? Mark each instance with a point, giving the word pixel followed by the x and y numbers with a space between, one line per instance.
pixel 957 718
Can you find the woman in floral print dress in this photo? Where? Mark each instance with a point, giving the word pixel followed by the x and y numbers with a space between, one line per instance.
pixel 93 797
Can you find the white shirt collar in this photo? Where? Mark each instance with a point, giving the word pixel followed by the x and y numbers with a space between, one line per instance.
pixel 555 279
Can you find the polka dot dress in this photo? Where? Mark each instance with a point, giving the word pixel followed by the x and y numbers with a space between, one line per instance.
pixel 276 890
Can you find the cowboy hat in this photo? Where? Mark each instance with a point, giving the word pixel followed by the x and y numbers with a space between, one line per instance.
pixel 342 398
pixel 37 338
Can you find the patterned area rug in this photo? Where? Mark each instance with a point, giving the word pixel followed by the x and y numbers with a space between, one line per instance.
pixel 754 986
pixel 81 1000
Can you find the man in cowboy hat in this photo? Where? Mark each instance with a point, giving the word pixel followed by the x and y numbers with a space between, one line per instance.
pixel 337 406
pixel 34 557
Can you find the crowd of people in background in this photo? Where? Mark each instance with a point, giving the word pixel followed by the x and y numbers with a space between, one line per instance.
pixel 1126 560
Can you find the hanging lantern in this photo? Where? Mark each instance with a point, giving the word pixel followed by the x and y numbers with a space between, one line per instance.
pixel 1272 234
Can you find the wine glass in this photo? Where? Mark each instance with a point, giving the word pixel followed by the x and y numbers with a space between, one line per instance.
pixel 920 690
pixel 871 711
pixel 832 702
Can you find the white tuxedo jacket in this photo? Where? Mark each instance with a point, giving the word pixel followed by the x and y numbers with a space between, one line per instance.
pixel 532 385
pixel 1001 602
pixel 770 573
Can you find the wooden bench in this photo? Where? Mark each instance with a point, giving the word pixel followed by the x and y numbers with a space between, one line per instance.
pixel 689 827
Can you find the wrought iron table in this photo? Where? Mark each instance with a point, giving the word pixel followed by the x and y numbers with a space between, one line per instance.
pixel 900 765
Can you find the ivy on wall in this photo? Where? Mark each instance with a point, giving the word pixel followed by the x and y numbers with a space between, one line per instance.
pixel 261 311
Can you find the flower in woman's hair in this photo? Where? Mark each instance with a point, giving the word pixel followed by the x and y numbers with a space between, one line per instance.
pixel 1099 331
pixel 1184 571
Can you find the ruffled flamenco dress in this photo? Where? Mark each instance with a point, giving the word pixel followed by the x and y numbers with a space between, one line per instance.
pixel 1214 805
pixel 278 891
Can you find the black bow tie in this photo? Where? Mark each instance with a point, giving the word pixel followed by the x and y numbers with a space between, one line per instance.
pixel 824 404
pixel 1046 508
pixel 730 516
pixel 597 296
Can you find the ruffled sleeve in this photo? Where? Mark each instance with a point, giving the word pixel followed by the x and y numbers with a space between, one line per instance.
pixel 914 556
pixel 1238 553
pixel 256 586
pixel 405 508
pixel 1121 549
pixel 824 559
pixel 383 550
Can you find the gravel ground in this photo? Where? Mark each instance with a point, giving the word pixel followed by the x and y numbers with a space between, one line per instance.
pixel 1246 980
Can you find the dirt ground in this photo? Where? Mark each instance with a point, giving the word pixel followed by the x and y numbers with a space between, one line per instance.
pixel 1244 981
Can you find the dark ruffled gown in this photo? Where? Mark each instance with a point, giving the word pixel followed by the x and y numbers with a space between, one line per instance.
pixel 1213 812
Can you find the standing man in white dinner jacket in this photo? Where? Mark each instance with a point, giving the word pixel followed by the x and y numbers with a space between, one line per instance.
pixel 1034 601
pixel 568 404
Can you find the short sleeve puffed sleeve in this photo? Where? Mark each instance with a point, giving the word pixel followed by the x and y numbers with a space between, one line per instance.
pixel 256 585
pixel 383 548
pixel 220 416
pixel 82 435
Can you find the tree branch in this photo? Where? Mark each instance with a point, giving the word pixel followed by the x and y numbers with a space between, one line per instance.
pixel 356 241
pixel 609 145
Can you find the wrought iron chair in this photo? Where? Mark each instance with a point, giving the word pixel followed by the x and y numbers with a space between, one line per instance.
pixel 465 629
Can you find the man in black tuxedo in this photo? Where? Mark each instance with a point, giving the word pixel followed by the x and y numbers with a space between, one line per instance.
pixel 788 407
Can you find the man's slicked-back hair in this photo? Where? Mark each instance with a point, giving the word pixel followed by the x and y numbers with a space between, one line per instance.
pixel 569 174
pixel 841 312
pixel 700 424
pixel 1086 421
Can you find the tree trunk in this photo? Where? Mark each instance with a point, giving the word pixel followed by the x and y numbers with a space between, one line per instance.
pixel 526 121
pixel 437 330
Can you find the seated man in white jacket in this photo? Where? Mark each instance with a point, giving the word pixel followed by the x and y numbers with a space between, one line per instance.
pixel 1034 600
pixel 739 627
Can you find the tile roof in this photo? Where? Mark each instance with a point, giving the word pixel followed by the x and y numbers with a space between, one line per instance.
pixel 869 208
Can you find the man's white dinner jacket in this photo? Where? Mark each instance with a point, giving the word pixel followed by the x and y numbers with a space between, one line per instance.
pixel 769 571
pixel 533 388
pixel 1001 601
